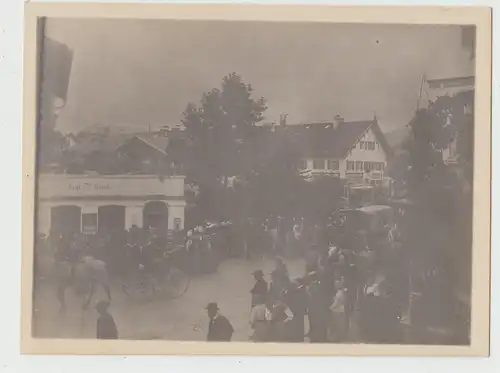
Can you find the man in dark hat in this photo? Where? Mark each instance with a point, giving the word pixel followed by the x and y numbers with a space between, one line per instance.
pixel 219 327
pixel 260 289
pixel 106 327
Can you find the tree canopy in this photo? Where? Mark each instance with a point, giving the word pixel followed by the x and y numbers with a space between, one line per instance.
pixel 441 224
pixel 218 126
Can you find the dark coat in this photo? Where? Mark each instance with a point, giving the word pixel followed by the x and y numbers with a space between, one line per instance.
pixel 220 329
pixel 259 292
pixel 106 327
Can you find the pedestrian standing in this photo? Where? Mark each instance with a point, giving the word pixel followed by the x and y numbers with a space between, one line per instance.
pixel 219 328
pixel 272 229
pixel 312 258
pixel 279 279
pixel 350 278
pixel 106 327
pixel 278 321
pixel 318 312
pixel 259 322
pixel 338 327
pixel 260 289
pixel 371 308
pixel 298 230
pixel 296 300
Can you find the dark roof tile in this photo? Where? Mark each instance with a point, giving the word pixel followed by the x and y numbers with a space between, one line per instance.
pixel 321 140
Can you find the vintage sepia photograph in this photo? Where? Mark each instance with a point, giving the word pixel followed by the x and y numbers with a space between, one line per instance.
pixel 258 181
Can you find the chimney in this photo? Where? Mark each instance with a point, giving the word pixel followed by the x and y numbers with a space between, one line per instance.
pixel 283 119
pixel 337 120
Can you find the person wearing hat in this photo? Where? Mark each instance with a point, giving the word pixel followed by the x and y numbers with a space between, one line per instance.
pixel 106 327
pixel 219 327
pixel 280 278
pixel 260 289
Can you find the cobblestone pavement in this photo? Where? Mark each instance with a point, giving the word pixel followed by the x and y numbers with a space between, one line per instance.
pixel 182 319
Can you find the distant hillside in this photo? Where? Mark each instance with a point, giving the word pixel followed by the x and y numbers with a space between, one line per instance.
pixel 396 137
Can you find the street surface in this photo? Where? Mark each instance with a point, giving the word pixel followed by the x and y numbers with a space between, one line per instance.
pixel 182 319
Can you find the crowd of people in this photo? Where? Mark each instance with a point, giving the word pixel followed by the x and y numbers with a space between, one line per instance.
pixel 353 288
pixel 327 305
pixel 337 303
pixel 348 290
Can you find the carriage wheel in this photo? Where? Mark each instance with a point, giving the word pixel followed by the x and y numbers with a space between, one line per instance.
pixel 176 283
pixel 140 289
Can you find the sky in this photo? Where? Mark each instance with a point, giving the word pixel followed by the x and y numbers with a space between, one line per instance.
pixel 140 73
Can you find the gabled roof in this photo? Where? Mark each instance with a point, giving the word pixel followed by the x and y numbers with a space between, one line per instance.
pixel 158 142
pixel 93 143
pixel 321 140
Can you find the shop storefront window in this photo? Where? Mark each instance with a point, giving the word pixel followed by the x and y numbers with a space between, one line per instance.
pixel 333 164
pixel 319 164
pixel 89 223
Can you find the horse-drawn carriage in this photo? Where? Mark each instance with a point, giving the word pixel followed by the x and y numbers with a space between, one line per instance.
pixel 356 228
pixel 161 273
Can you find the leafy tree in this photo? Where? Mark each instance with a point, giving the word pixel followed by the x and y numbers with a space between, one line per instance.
pixel 442 210
pixel 274 183
pixel 216 131
pixel 52 147
pixel 223 120
pixel 239 109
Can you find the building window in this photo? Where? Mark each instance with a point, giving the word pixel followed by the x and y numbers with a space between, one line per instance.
pixel 302 164
pixel 177 224
pixel 350 166
pixel 359 166
pixel 89 223
pixel 373 166
pixel 319 164
pixel 333 164
pixel 367 145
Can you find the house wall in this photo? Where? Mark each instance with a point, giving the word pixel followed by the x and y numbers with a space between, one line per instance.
pixel 360 154
pixel 89 193
pixel 376 155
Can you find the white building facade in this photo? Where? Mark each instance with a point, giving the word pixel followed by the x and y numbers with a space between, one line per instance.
pixel 367 159
pixel 89 203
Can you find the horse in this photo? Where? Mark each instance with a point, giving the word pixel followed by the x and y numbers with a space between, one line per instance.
pixel 86 274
